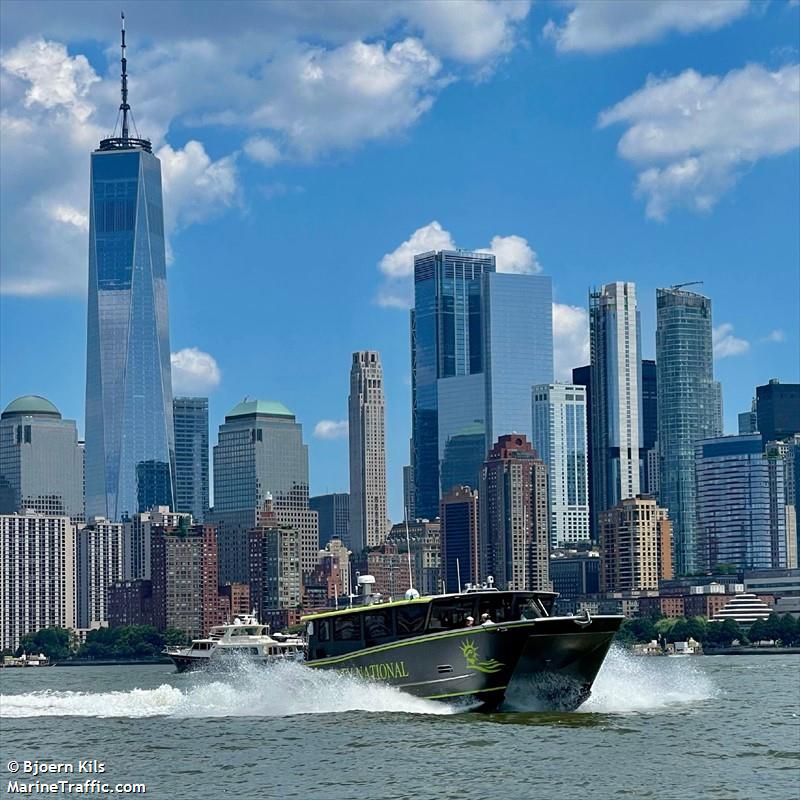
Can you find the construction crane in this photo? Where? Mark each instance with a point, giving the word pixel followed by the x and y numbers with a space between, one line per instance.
pixel 683 285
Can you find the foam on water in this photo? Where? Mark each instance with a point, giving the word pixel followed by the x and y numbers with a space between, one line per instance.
pixel 628 683
pixel 275 691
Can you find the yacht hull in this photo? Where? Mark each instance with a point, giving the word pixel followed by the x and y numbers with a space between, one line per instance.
pixel 553 659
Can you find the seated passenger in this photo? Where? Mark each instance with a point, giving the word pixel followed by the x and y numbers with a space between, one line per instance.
pixel 470 622
pixel 486 619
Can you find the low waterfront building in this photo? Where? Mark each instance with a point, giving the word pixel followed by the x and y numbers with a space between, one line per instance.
pixel 37 575
pixel 743 608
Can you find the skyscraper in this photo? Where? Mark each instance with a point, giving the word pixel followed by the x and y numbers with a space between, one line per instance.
pixel 513 531
pixel 41 462
pixel 778 410
pixel 367 431
pixel 741 504
pixel 582 376
pixel 99 557
pixel 260 454
pixel 616 394
pixel 333 512
pixel 559 436
pixel 479 341
pixel 190 417
pixel 649 390
pixel 460 542
pixel 130 453
pixel 689 408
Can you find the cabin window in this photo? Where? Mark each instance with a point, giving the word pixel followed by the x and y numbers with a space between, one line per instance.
pixel 411 619
pixel 378 625
pixel 323 630
pixel 499 607
pixel 449 614
pixel 529 608
pixel 347 628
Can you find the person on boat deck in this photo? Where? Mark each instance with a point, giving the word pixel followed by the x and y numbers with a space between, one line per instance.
pixel 486 619
pixel 470 622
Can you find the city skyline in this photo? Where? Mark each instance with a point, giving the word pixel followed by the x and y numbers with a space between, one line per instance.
pixel 217 192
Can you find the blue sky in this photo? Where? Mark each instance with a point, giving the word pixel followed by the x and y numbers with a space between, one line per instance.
pixel 303 144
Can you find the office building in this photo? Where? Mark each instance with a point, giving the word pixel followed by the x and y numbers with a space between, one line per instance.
pixel 636 546
pixel 689 409
pixel 425 541
pixel 367 432
pixel 463 457
pixel 333 515
pixel 98 564
pixel 575 574
pixel 130 451
pixel 41 461
pixel 778 410
pixel 649 454
pixel 741 500
pixel 184 578
pixel 408 492
pixel 559 436
pixel 748 420
pixel 260 454
pixel 37 575
pixel 582 376
pixel 137 536
pixel 513 528
pixel 459 522
pixel 190 418
pixel 479 340
pixel 616 375
pixel 788 451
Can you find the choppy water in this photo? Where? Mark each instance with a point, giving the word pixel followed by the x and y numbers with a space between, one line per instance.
pixel 707 727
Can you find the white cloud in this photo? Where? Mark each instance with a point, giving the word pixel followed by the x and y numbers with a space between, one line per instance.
pixel 512 253
pixel 726 344
pixel 194 372
pixel 595 26
pixel 330 429
pixel 691 135
pixel 570 339
pixel 263 150
pixel 775 336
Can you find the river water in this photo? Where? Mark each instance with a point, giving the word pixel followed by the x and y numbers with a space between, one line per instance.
pixel 705 727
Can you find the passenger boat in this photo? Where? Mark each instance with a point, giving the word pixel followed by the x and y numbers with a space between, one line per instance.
pixel 245 639
pixel 474 646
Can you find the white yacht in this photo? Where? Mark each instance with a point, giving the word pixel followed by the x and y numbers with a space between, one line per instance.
pixel 246 638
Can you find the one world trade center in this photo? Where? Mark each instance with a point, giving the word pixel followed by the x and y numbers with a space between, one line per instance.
pixel 130 451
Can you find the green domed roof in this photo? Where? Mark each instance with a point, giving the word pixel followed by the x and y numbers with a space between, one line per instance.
pixel 271 408
pixel 30 404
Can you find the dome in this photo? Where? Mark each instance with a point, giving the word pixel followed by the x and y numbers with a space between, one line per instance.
pixel 270 408
pixel 31 404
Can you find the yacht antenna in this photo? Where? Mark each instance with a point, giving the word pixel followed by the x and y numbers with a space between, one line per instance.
pixel 458 574
pixel 408 553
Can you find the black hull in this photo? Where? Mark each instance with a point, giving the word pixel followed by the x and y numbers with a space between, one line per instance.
pixel 554 659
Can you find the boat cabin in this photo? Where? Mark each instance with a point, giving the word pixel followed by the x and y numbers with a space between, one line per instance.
pixel 337 633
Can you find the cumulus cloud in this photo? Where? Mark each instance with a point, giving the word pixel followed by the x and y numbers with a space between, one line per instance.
pixel 512 254
pixel 330 429
pixel 194 372
pixel 726 344
pixel 263 150
pixel 775 336
pixel 691 136
pixel 570 339
pixel 595 26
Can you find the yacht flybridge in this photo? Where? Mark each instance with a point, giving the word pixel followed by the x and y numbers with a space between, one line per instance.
pixel 246 638
pixel 472 645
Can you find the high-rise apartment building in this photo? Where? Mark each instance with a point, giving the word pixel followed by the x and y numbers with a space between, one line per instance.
pixel 513 530
pixel 99 556
pixel 559 436
pixel 184 578
pixel 260 455
pixel 479 340
pixel 778 410
pixel 649 452
pixel 37 575
pixel 137 538
pixel 788 451
pixel 130 451
pixel 41 462
pixel 616 394
pixel 333 513
pixel 337 551
pixel 367 432
pixel 636 547
pixel 689 408
pixel 190 419
pixel 741 504
pixel 425 543
pixel 460 540
pixel 582 376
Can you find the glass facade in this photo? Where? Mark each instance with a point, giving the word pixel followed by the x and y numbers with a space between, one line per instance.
pixel 190 415
pixel 689 408
pixel 130 454
pixel 463 457
pixel 616 408
pixel 741 518
pixel 334 516
pixel 479 340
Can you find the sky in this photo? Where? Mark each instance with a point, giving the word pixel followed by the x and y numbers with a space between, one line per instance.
pixel 309 149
